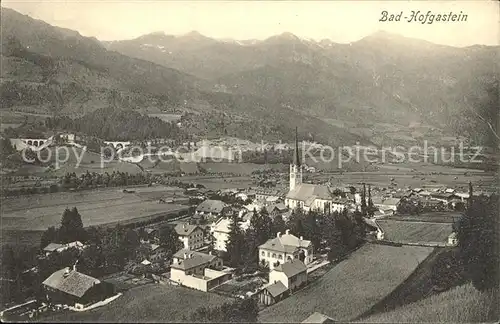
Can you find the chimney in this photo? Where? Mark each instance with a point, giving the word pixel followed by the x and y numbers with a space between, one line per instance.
pixel 287 232
pixel 278 234
pixel 66 272
pixel 301 238
pixel 185 256
pixel 184 226
pixel 210 252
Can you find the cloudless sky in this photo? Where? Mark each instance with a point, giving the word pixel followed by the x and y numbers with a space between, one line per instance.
pixel 340 21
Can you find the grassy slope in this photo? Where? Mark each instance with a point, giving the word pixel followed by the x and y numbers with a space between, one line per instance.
pixel 460 304
pixel 352 287
pixel 149 303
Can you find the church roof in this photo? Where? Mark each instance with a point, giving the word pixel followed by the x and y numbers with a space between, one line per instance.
pixel 305 192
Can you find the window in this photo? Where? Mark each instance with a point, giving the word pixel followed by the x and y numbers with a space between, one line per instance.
pixel 280 256
pixel 263 253
pixel 268 254
pixel 289 258
pixel 274 255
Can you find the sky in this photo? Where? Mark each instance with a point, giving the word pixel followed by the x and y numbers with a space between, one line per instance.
pixel 340 21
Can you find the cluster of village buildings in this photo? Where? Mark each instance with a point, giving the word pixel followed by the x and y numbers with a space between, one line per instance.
pixel 286 255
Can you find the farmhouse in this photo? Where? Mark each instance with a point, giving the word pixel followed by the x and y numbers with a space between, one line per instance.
pixel 190 235
pixel 211 208
pixel 70 287
pixel 197 270
pixel 284 248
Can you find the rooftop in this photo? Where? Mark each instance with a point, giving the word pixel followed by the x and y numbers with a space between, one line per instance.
pixel 211 206
pixel 285 243
pixel 318 318
pixel 71 282
pixel 276 288
pixel 187 259
pixel 306 191
pixel 185 229
pixel 291 268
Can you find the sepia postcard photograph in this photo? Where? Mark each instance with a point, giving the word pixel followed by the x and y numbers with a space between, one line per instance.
pixel 249 161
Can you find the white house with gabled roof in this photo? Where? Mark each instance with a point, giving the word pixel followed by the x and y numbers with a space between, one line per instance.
pixel 283 248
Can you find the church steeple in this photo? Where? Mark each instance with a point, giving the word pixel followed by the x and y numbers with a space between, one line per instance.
pixel 296 156
pixel 295 167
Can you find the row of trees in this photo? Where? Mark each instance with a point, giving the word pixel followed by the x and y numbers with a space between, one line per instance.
pixel 88 180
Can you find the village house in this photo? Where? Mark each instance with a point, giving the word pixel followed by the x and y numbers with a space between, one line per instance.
pixel 275 209
pixel 385 203
pixel 268 195
pixel 197 270
pixel 220 232
pixel 443 197
pixel 284 248
pixel 192 236
pixel 211 208
pixel 283 280
pixel 220 229
pixel 70 287
pixel 58 248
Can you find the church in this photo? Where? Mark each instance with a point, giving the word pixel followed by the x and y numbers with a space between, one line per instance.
pixel 305 195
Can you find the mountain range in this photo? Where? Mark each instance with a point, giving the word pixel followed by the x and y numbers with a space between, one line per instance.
pixel 341 93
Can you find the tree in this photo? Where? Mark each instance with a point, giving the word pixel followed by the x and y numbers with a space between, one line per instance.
pixel 261 223
pixel 478 242
pixel 71 227
pixel 333 236
pixel 235 243
pixel 363 201
pixel 371 207
pixel 49 236
pixel 169 240
pixel 278 225
pixel 360 226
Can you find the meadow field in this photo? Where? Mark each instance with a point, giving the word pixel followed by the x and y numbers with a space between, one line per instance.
pixel 353 286
pixel 97 207
pixel 462 304
pixel 434 217
pixel 145 304
pixel 415 232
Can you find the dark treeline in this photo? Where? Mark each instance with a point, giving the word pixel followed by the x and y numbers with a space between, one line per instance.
pixel 115 124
